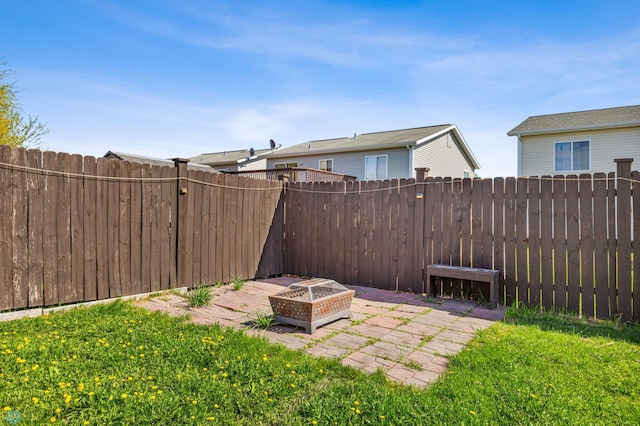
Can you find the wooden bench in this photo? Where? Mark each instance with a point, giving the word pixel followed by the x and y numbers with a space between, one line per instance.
pixel 464 273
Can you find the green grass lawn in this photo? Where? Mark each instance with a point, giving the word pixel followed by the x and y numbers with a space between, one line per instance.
pixel 116 364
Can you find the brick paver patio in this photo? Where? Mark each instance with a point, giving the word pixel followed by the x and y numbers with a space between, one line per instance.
pixel 405 335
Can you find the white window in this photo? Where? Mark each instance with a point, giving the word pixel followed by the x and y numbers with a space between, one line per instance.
pixel 375 167
pixel 326 165
pixel 465 173
pixel 284 165
pixel 572 156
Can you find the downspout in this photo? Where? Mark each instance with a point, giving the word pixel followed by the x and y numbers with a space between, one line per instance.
pixel 519 156
pixel 410 148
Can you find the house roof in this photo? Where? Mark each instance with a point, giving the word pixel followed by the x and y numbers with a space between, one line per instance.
pixel 581 120
pixel 151 160
pixel 377 140
pixel 227 157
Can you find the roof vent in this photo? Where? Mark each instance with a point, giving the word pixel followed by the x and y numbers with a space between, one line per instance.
pixel 355 136
pixel 309 147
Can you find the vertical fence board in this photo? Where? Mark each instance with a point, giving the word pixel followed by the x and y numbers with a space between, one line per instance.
pixel 510 240
pixel 339 210
pixel 412 278
pixel 465 225
pixel 113 247
pixel 136 228
pixel 213 227
pixel 498 232
pixel 573 254
pixel 456 221
pixel 378 245
pixel 227 230
pixel 124 226
pixel 102 228
pixel 345 237
pixel 6 229
pixel 89 230
pixel 63 228
pixel 445 256
pixel 418 230
pixel 613 244
pixel 393 241
pixel 174 187
pixel 624 238
pixel 447 229
pixel 601 253
pixel 204 231
pixel 145 231
pixel 522 236
pixel 559 242
pixel 35 230
pixel 428 223
pixel 49 222
pixel 403 228
pixel 546 240
pixel 220 228
pixel 635 177
pixel 19 202
pixel 487 223
pixel 156 231
pixel 326 268
pixel 76 192
pixel 586 244
pixel 195 200
pixel 534 241
pixel 476 223
pixel 165 228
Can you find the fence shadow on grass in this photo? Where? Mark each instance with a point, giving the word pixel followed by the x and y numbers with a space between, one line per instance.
pixel 571 324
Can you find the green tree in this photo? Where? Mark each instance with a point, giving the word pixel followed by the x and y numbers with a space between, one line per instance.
pixel 16 129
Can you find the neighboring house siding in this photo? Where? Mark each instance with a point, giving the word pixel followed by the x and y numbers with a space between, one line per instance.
pixel 606 145
pixel 443 156
pixel 352 163
pixel 259 164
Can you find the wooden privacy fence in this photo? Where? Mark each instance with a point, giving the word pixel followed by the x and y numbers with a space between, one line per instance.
pixel 559 242
pixel 78 228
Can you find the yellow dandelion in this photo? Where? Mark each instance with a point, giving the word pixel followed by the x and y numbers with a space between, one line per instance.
pixel 356 402
pixel 91 393
pixel 194 402
pixel 85 423
pixel 58 411
pixel 381 416
pixel 35 400
pixel 52 419
pixel 152 397
pixel 216 406
pixel 159 392
pixel 35 367
pixel 473 413
pixel 293 385
pixel 313 422
pixel 357 411
pixel 533 395
pixel 211 418
pixel 6 408
pixel 124 396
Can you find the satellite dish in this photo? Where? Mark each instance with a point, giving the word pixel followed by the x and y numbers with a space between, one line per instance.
pixel 252 152
pixel 272 143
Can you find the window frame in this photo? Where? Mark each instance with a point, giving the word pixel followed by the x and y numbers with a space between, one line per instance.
pixel 286 165
pixel 386 166
pixel 572 169
pixel 326 160
pixel 466 173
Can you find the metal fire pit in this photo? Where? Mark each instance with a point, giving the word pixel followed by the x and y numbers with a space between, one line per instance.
pixel 312 303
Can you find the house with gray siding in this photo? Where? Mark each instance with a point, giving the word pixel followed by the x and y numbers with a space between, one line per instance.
pixel 391 154
pixel 234 161
pixel 578 142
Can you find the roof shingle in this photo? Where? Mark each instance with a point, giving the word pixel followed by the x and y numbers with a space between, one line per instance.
pixel 571 121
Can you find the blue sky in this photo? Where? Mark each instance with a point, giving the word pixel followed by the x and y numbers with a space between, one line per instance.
pixel 180 78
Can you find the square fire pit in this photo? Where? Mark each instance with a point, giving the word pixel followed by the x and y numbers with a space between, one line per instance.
pixel 312 303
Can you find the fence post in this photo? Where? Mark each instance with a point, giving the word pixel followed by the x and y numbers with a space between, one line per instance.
pixel 623 184
pixel 183 252
pixel 422 173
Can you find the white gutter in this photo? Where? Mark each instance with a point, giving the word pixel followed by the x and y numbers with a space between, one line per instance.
pixel 519 171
